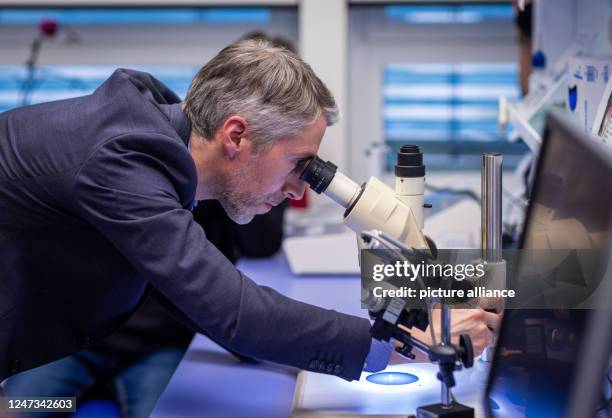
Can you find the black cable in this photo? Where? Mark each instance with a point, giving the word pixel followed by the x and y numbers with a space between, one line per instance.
pixel 466 192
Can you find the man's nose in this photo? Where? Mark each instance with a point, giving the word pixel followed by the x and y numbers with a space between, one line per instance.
pixel 294 189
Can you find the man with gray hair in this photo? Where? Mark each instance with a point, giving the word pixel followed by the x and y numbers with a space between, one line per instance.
pixel 95 212
pixel 268 96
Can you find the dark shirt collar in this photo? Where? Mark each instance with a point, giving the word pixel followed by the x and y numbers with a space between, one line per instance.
pixel 178 119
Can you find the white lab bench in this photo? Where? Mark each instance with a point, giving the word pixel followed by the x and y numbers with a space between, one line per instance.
pixel 318 396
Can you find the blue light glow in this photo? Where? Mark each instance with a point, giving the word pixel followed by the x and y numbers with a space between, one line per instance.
pixel 494 405
pixel 136 16
pixel 449 14
pixel 392 378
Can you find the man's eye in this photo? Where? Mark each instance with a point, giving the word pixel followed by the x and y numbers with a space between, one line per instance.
pixel 300 165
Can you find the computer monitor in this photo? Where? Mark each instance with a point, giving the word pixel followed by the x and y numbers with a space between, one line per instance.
pixel 551 363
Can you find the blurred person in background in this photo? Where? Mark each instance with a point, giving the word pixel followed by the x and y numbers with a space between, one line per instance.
pixel 523 20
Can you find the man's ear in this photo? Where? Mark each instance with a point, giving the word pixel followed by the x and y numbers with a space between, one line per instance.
pixel 234 133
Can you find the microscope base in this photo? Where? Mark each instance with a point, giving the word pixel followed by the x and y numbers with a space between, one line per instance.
pixel 456 410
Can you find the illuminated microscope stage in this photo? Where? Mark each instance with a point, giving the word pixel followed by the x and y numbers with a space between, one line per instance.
pixel 320 395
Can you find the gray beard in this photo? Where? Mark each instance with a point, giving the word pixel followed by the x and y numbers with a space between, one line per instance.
pixel 235 199
pixel 234 207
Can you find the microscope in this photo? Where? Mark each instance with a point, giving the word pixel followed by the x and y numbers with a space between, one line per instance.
pixel 374 205
pixel 393 219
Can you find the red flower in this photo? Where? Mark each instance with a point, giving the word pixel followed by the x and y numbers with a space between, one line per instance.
pixel 48 27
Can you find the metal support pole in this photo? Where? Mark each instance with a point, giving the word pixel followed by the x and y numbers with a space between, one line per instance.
pixel 491 221
pixel 445 327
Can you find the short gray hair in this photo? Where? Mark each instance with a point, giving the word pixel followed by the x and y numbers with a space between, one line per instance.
pixel 271 87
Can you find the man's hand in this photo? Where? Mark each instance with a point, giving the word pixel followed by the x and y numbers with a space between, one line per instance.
pixel 480 325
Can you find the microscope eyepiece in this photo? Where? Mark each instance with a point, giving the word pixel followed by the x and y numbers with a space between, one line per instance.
pixel 319 174
pixel 323 177
pixel 409 162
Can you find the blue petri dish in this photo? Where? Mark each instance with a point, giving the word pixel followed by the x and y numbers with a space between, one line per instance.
pixel 392 378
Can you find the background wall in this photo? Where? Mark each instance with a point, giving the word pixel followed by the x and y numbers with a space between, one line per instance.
pixel 376 41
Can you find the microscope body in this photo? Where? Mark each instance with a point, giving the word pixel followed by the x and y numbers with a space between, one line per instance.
pixel 380 207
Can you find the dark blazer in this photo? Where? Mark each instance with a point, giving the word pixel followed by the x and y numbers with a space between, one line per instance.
pixel 96 195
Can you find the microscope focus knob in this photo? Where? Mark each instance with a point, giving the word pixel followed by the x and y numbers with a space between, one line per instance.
pixel 467 350
pixel 406 351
